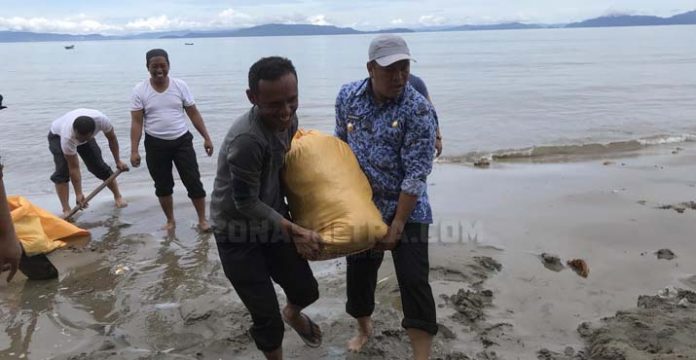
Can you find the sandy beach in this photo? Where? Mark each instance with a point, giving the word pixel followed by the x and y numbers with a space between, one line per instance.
pixel 135 293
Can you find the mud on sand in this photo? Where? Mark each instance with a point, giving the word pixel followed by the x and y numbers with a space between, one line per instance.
pixel 661 327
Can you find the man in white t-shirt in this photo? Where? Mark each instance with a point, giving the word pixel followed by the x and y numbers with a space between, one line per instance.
pixel 73 134
pixel 160 105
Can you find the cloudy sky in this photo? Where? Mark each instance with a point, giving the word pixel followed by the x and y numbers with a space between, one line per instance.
pixel 132 16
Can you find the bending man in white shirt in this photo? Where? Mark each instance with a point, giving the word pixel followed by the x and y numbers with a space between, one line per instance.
pixel 73 134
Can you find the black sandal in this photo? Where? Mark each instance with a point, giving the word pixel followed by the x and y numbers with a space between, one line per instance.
pixel 311 338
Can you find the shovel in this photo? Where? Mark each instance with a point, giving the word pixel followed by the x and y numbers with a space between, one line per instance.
pixel 93 194
pixel 39 267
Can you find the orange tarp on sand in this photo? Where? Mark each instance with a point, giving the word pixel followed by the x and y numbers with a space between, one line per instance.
pixel 40 231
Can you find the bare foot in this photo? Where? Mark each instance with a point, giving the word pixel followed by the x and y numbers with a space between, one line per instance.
pixel 169 226
pixel 358 341
pixel 204 227
pixel 120 202
pixel 66 213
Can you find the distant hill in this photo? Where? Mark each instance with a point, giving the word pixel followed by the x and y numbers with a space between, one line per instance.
pixel 24 36
pixel 506 26
pixel 274 30
pixel 392 31
pixel 155 35
pixel 284 30
pixel 688 18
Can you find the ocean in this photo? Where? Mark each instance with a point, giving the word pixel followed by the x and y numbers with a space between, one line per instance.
pixel 519 93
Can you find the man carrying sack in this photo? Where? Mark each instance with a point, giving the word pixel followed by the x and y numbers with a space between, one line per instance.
pixel 257 242
pixel 391 129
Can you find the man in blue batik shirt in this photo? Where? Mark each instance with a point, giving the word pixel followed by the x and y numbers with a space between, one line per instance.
pixel 391 129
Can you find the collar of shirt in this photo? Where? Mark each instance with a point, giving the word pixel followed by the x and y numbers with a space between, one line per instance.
pixel 277 138
pixel 366 92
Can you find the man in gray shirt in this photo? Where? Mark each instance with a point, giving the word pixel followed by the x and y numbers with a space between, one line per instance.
pixel 256 240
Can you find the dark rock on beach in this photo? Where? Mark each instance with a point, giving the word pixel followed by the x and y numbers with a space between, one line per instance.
pixel 551 262
pixel 470 305
pixel 665 254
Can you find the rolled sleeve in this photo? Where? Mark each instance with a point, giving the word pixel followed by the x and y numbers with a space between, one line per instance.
pixel 245 160
pixel 418 151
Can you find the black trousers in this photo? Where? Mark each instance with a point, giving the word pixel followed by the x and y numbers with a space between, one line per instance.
pixel 412 269
pixel 250 266
pixel 160 154
pixel 90 154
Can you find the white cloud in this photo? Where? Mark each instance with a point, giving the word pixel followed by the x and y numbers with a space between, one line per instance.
pixel 83 24
pixel 318 20
pixel 397 22
pixel 432 20
pixel 233 16
pixel 159 23
pixel 295 18
pixel 614 11
pixel 79 25
pixel 522 17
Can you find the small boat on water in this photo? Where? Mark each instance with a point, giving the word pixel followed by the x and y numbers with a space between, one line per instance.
pixel 188 43
pixel 69 47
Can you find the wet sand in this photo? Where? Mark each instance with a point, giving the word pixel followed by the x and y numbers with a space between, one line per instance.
pixel 136 293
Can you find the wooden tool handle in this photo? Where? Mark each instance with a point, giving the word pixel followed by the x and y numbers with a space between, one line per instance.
pixel 94 193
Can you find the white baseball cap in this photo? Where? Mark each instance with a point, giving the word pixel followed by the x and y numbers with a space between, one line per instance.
pixel 388 49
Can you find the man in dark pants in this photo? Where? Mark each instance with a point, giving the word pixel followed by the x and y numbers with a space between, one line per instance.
pixel 73 134
pixel 257 242
pixel 391 129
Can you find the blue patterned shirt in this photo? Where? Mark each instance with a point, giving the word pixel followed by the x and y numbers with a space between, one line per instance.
pixel 394 143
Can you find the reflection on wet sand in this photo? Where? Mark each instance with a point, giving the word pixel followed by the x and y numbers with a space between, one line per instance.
pixel 116 281
pixel 22 315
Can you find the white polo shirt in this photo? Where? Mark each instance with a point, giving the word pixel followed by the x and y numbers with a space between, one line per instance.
pixel 63 127
pixel 165 117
